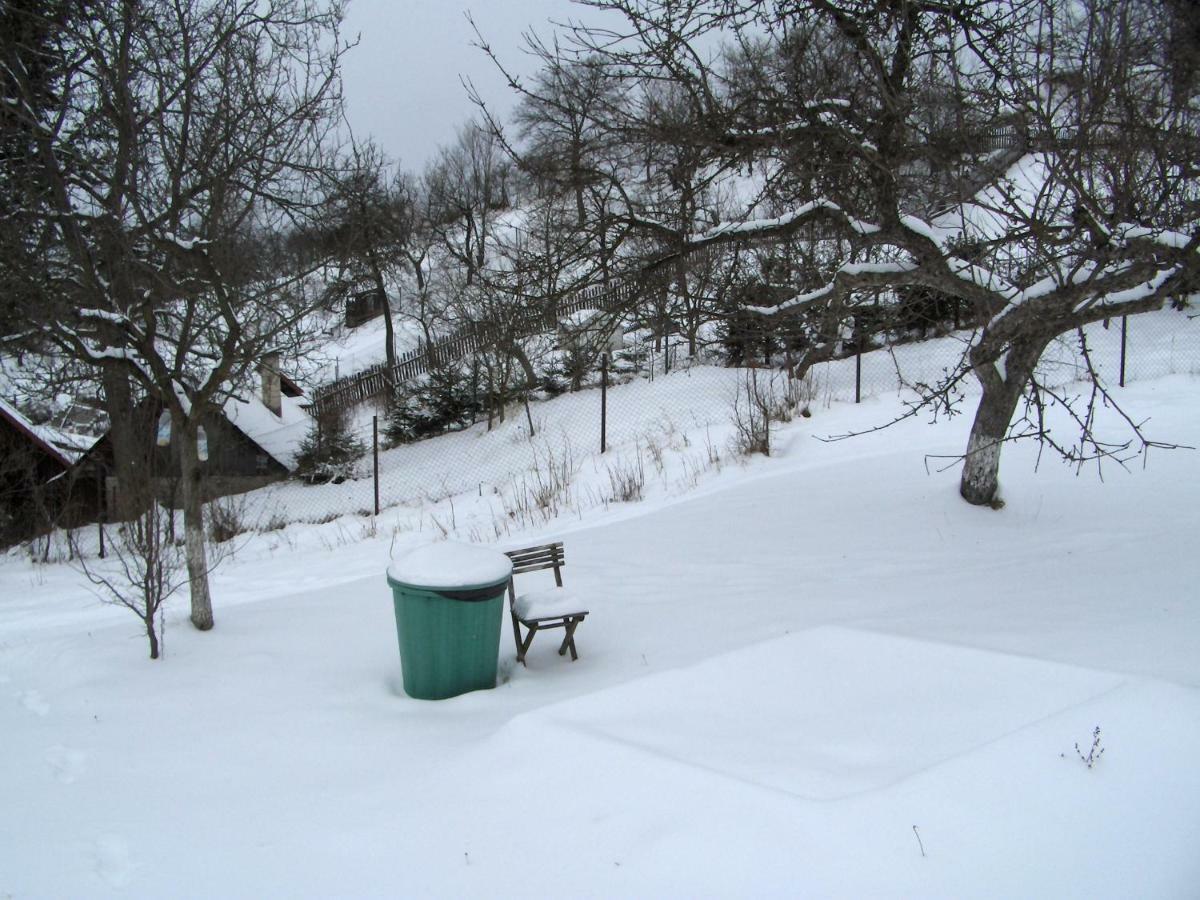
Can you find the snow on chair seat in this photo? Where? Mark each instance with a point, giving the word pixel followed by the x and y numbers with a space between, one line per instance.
pixel 542 610
pixel 548 604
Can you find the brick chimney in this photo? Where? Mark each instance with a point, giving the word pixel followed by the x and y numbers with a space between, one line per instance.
pixel 269 370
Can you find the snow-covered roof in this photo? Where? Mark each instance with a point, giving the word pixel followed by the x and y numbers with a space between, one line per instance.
pixel 63 446
pixel 581 318
pixel 279 436
pixel 998 207
pixel 69 442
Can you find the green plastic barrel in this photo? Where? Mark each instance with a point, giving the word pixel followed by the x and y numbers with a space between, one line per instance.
pixel 449 601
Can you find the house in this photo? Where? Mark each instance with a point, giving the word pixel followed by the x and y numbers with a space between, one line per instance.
pixel 251 441
pixel 274 422
pixel 39 484
pixel 363 307
pixel 591 331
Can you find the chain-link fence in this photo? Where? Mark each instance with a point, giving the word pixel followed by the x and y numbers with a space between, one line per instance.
pixel 651 400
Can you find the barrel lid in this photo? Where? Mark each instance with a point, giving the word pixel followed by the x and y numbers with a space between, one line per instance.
pixel 451 565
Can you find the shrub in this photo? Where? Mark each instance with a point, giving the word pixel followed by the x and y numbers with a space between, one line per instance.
pixel 443 402
pixel 224 520
pixel 329 452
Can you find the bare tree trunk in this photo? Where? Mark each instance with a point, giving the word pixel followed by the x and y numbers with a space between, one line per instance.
pixel 528 415
pixel 130 464
pixel 151 633
pixel 389 328
pixel 605 254
pixel 690 304
pixel 193 525
pixel 1003 386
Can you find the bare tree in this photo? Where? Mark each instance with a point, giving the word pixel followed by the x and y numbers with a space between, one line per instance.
pixel 145 568
pixel 562 142
pixel 373 217
pixel 1098 219
pixel 186 134
pixel 466 184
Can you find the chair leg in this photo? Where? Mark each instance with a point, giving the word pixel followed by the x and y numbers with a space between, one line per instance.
pixel 523 647
pixel 569 639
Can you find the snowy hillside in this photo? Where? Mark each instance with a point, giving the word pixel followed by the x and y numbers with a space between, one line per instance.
pixel 814 674
pixel 671 425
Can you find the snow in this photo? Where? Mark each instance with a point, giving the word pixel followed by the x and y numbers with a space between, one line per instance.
pixel 817 674
pixel 184 243
pixel 279 435
pixel 806 209
pixel 72 445
pixel 685 414
pixel 581 318
pixel 836 101
pixel 66 448
pixel 104 316
pixel 1003 206
pixel 925 230
pixel 878 268
pixel 1131 295
pixel 98 354
pixel 548 603
pixel 451 565
pixel 1176 240
pixel 356 349
pixel 852 269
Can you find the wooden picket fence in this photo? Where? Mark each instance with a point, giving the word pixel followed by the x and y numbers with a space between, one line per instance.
pixel 376 380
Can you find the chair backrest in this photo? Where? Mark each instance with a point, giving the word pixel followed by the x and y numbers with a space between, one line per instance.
pixel 544 556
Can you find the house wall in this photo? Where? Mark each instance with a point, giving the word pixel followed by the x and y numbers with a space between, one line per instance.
pixel 363 308
pixel 167 489
pixel 235 464
pixel 37 492
pixel 230 455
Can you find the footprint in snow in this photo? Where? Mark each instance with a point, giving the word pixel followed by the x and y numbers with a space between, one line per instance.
pixel 65 763
pixel 113 863
pixel 33 702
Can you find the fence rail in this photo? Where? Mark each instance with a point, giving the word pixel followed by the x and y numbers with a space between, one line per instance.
pixel 376 380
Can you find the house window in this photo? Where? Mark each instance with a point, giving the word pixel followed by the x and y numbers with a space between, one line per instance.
pixel 260 463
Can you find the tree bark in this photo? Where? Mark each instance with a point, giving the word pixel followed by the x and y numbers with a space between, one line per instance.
pixel 389 328
pixel 152 634
pixel 130 465
pixel 193 524
pixel 1002 390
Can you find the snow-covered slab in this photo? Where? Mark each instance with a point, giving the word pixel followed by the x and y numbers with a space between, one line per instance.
pixel 1018 814
pixel 451 564
pixel 833 712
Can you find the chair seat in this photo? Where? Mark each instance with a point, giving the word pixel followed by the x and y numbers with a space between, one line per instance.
pixel 549 604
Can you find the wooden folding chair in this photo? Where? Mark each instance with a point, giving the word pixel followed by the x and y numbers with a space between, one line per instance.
pixel 542 610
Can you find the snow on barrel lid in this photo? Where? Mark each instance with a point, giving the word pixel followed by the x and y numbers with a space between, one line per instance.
pixel 451 565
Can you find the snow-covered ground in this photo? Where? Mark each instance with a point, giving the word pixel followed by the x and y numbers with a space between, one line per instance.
pixel 682 411
pixel 818 674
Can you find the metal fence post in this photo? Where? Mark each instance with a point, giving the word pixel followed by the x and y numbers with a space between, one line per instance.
pixel 100 509
pixel 375 452
pixel 1124 336
pixel 857 364
pixel 603 402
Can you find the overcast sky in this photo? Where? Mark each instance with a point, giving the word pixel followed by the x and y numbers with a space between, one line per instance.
pixel 402 82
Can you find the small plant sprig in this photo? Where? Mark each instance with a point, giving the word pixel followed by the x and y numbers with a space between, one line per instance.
pixel 1094 752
